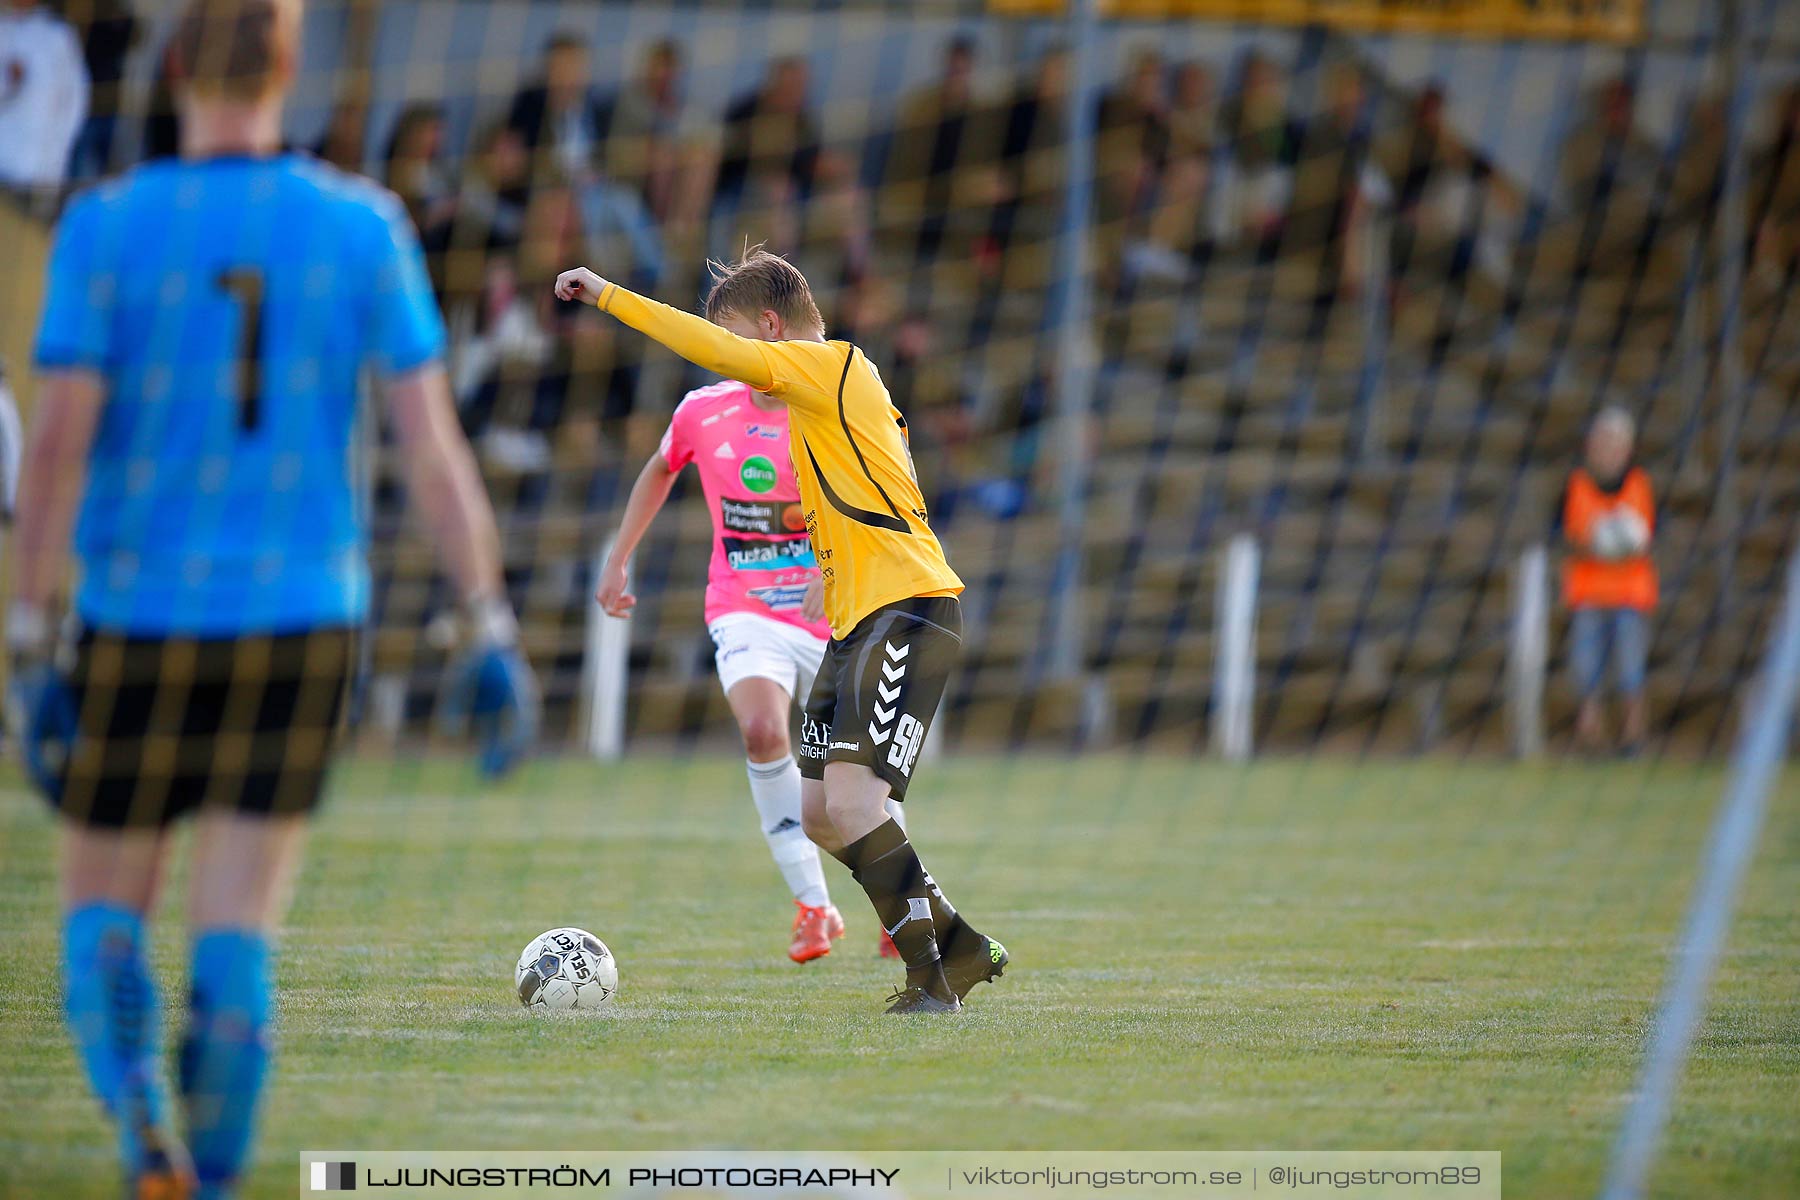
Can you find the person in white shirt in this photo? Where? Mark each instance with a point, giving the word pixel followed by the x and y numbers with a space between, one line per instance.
pixel 43 95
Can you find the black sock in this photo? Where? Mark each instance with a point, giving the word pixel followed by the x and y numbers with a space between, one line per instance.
pixel 948 925
pixel 888 869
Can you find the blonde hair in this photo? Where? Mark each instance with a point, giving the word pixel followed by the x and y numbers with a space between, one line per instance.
pixel 236 49
pixel 760 280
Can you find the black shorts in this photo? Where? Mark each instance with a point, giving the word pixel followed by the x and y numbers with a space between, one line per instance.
pixel 879 687
pixel 171 725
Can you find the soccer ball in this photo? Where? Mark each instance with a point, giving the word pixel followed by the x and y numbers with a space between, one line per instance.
pixel 564 969
pixel 1620 535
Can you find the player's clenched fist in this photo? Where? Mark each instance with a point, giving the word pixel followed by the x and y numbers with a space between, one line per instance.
pixel 612 593
pixel 580 284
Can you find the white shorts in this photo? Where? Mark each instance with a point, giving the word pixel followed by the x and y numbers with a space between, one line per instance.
pixel 752 646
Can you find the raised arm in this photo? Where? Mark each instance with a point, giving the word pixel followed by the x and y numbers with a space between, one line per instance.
pixel 646 500
pixel 694 338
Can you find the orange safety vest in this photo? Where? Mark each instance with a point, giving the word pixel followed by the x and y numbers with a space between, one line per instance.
pixel 1590 582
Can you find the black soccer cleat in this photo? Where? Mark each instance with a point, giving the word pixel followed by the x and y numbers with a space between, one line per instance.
pixel 914 1000
pixel 978 958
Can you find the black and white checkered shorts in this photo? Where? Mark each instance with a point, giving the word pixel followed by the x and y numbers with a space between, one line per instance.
pixel 171 725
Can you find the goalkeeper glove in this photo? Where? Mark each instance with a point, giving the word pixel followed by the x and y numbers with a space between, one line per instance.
pixel 492 694
pixel 40 702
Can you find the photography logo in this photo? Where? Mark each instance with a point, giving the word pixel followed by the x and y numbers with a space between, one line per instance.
pixel 334 1177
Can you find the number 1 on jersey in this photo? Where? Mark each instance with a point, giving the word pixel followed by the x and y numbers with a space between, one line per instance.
pixel 245 285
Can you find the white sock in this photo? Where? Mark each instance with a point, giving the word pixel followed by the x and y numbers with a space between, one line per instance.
pixel 775 786
pixel 897 810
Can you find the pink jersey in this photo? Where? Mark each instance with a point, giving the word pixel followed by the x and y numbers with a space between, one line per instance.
pixel 761 560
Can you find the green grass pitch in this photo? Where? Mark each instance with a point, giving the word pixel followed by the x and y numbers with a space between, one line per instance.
pixel 1307 954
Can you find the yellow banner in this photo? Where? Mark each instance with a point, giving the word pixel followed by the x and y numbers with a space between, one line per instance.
pixel 1608 20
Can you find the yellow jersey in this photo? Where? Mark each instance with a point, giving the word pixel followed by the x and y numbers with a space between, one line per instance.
pixel 864 511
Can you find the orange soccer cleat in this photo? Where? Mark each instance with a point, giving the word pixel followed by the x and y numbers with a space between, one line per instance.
pixel 162 1185
pixel 165 1173
pixel 814 929
pixel 885 947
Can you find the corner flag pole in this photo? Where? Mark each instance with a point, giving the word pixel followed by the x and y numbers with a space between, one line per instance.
pixel 1755 763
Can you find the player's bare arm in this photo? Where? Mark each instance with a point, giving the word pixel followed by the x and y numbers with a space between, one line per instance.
pixel 493 685
pixel 50 487
pixel 648 495
pixel 444 482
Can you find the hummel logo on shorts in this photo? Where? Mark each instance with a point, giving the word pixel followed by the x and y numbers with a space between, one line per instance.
pixel 888 688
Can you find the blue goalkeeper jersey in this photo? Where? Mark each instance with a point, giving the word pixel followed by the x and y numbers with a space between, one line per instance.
pixel 230 305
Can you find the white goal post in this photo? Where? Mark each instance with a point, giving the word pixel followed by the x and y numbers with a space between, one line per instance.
pixel 1234 649
pixel 605 665
pixel 1528 652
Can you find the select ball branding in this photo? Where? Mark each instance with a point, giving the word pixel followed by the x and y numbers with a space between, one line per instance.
pixel 564 969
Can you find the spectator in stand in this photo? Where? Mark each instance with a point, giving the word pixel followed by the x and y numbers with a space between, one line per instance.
pixel 940 425
pixel 346 136
pixel 414 171
pixel 1605 152
pixel 1608 167
pixel 1178 224
pixel 1131 138
pixel 109 30
pixel 940 160
pixel 43 96
pixel 1193 111
pixel 835 231
pixel 771 142
pixel 1609 580
pixel 413 166
pixel 1261 144
pixel 1031 136
pixel 556 115
pixel 1180 215
pixel 563 127
pixel 658 142
pixel 1452 210
pixel 772 164
pixel 486 217
pixel 1337 189
pixel 519 348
